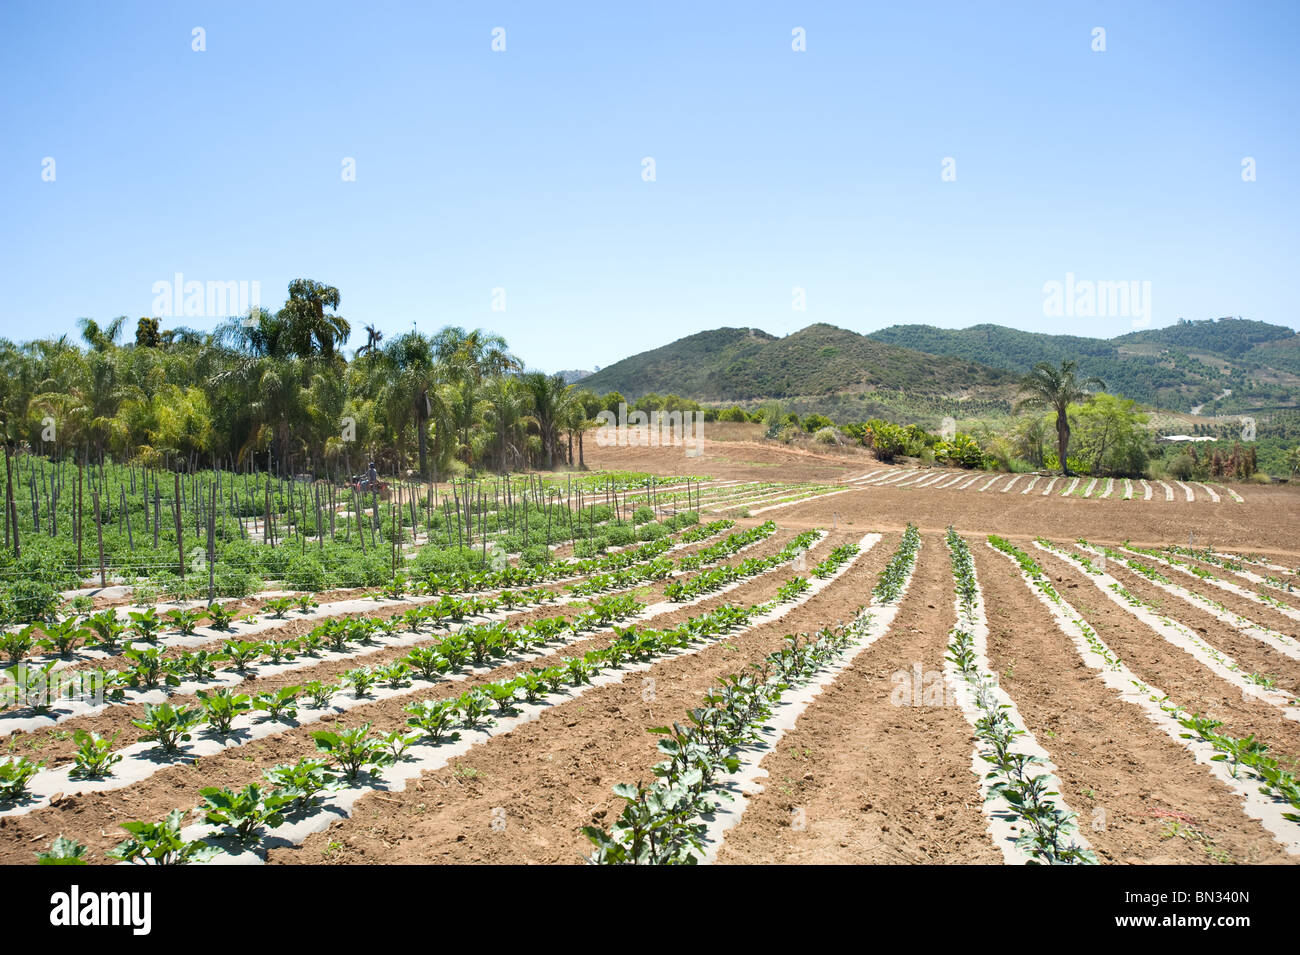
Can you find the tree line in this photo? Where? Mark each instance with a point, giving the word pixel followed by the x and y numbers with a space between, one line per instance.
pixel 274 391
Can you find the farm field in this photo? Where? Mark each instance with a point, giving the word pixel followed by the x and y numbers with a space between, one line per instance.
pixel 710 666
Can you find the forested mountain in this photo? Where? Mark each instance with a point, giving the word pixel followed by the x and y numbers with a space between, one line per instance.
pixel 747 364
pixel 1184 365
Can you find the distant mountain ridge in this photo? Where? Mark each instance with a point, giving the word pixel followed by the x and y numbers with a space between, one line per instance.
pixel 748 364
pixel 1177 367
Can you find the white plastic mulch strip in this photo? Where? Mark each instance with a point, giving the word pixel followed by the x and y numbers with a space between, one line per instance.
pixel 1219 582
pixel 1088 490
pixel 1174 633
pixel 1119 678
pixel 999 814
pixel 1050 484
pixel 1191 495
pixel 1128 489
pixel 1030 486
pixel 1169 492
pixel 1214 497
pixel 1070 490
pixel 66 709
pixel 744 782
pixel 773 507
pixel 1010 484
pixel 422 758
pixel 991 481
pixel 1146 489
pixel 1110 488
pixel 1278 641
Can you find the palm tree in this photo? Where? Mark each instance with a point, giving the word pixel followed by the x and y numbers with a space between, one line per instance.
pixel 1293 460
pixel 552 404
pixel 312 332
pixel 1056 389
pixel 414 379
pixel 373 337
pixel 508 406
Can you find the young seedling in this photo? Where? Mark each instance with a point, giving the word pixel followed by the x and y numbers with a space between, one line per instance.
pixel 145 624
pixel 15 774
pixel 18 643
pixel 62 852
pixel 148 668
pixel 242 653
pixel 221 708
pixel 303 781
pixel 279 607
pixel 108 630
pixel 245 811
pixel 64 637
pixel 361 680
pixel 185 620
pixel 281 705
pixel 168 725
pixel 161 843
pixel 95 757
pixel 220 617
pixel 353 750
pixel 319 693
pixel 433 717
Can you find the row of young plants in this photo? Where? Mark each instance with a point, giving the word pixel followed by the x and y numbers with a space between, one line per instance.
pixel 350 753
pixel 1273 781
pixel 1234 564
pixel 896 573
pixel 1138 603
pixel 662 821
pixel 488 578
pixel 1043 584
pixel 663 567
pixel 1218 608
pixel 1258 595
pixel 106 632
pixel 1050 832
pixel 715 578
pixel 168 726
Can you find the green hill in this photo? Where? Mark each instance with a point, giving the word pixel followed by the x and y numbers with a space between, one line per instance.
pixel 821 362
pixel 1177 367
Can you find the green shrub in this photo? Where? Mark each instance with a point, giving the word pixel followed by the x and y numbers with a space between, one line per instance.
pixel 305 572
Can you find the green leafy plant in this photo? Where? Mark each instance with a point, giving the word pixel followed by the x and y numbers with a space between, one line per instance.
pixel 303 781
pixel 168 725
pixel 281 704
pixel 161 843
pixel 353 750
pixel 95 757
pixel 63 852
pixel 15 774
pixel 222 707
pixel 245 811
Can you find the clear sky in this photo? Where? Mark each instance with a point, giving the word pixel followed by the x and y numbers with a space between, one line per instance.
pixel 774 169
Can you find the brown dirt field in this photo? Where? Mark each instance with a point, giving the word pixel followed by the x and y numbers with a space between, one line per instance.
pixel 878 783
pixel 1264 523
pixel 1153 660
pixel 1108 755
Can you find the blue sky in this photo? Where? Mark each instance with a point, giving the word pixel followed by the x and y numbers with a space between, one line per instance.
pixel 774 169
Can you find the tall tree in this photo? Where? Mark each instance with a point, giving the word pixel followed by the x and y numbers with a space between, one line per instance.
pixel 1056 389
